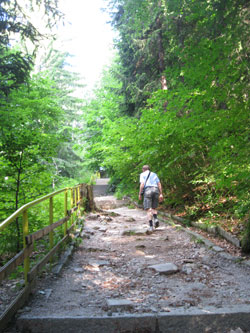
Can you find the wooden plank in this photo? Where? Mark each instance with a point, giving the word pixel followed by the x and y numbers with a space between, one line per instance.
pixel 14 262
pixel 15 305
pixel 72 210
pixel 43 232
pixel 38 267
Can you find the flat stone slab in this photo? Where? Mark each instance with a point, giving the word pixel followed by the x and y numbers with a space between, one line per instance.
pixel 218 249
pixel 167 268
pixel 135 232
pixel 102 181
pixel 115 303
pixel 78 270
pixel 99 262
pixel 101 187
pixel 109 202
pixel 178 321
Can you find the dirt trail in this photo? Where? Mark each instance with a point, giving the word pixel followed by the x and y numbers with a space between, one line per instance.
pixel 113 263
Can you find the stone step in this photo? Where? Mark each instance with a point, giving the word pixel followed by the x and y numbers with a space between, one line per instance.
pixel 109 202
pixel 101 187
pixel 100 190
pixel 178 321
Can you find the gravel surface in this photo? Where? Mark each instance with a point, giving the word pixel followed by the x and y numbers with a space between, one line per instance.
pixel 113 262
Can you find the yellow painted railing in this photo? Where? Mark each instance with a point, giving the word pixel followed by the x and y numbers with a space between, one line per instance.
pixel 78 195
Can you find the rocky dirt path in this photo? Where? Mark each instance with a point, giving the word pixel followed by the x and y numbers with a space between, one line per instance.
pixel 110 272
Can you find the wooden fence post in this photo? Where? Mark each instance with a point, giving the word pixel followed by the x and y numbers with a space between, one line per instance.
pixel 65 211
pixel 26 263
pixel 78 200
pixel 51 234
pixel 71 204
pixel 90 198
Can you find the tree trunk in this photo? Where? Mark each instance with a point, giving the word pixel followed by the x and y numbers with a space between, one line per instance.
pixel 18 183
pixel 161 53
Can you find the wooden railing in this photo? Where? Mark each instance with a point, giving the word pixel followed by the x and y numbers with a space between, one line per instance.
pixel 79 196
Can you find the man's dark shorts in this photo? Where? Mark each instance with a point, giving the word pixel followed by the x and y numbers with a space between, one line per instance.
pixel 151 197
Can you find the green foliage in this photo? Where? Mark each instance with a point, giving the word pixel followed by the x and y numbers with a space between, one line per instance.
pixel 99 114
pixel 28 142
pixel 14 70
pixel 15 23
pixel 246 239
pixel 29 132
pixel 140 46
pixel 15 18
pixel 195 134
pixel 40 120
pixel 69 159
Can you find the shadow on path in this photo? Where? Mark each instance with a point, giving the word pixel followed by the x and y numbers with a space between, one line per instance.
pixel 112 283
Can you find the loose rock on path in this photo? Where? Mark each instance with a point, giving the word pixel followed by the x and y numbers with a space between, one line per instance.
pixel 119 268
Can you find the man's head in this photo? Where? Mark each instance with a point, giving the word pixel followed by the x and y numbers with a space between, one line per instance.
pixel 145 167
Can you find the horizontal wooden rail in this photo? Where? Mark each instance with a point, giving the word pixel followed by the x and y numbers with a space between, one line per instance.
pixel 43 232
pixel 12 264
pixel 70 217
pixel 73 210
pixel 36 269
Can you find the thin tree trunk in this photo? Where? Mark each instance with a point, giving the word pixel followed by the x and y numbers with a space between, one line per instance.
pixel 161 59
pixel 18 183
pixel 161 52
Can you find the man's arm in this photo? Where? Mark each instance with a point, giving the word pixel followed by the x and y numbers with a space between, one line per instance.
pixel 160 189
pixel 140 190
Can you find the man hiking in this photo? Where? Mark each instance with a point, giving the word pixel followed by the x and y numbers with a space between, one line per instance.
pixel 151 187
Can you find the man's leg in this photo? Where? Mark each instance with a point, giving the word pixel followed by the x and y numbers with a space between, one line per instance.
pixel 155 218
pixel 154 211
pixel 147 202
pixel 155 202
pixel 150 218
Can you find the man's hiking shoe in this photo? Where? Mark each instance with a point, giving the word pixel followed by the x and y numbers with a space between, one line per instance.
pixel 156 222
pixel 151 228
